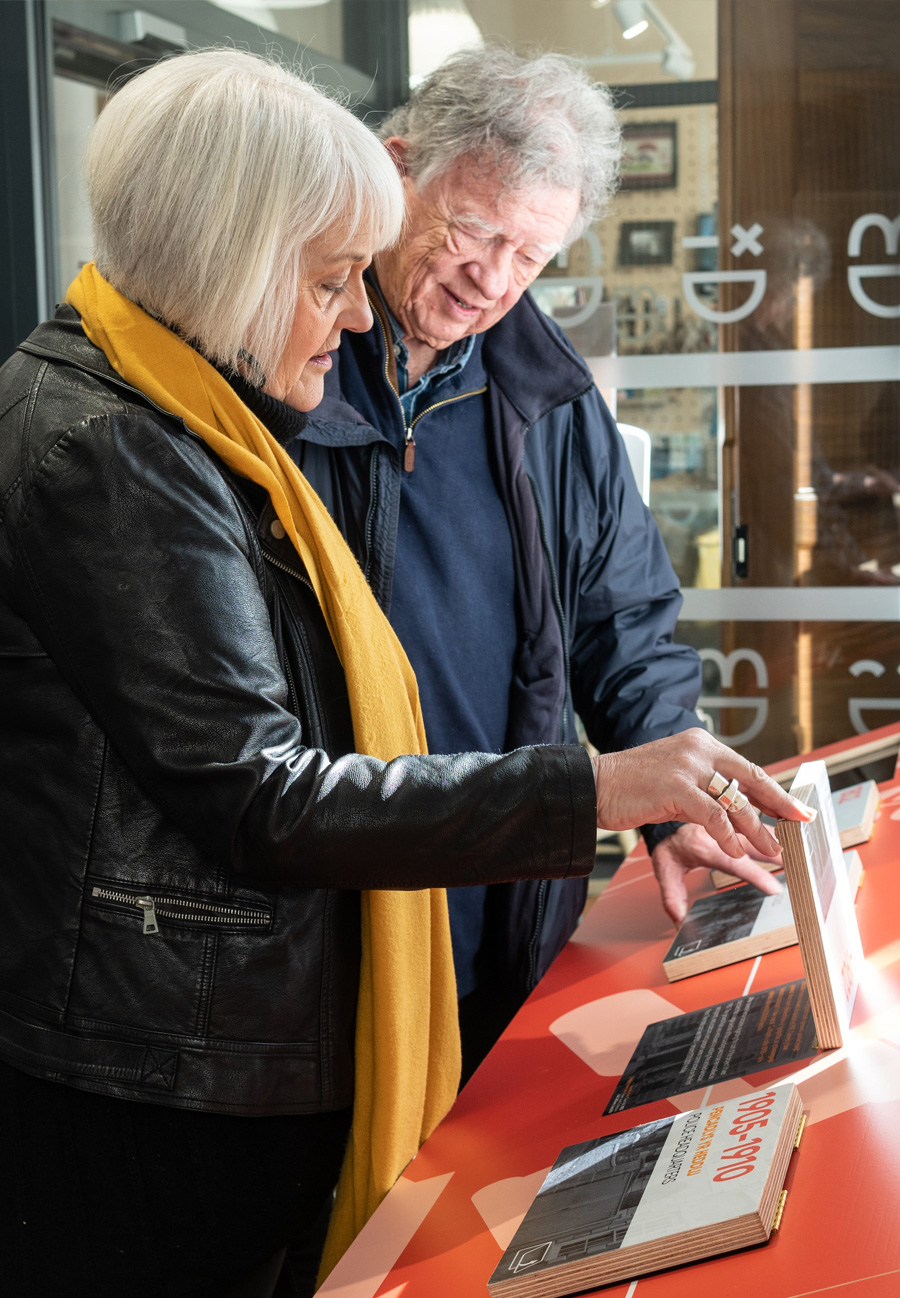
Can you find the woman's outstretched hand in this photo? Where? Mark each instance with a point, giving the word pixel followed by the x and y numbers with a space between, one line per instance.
pixel 669 780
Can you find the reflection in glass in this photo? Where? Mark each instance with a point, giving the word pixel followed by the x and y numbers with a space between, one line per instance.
pixel 314 23
pixel 75 108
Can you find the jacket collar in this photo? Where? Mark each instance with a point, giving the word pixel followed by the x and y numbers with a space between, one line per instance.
pixel 63 339
pixel 532 362
pixel 525 354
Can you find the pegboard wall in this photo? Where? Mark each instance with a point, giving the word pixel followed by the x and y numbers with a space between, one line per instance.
pixel 676 327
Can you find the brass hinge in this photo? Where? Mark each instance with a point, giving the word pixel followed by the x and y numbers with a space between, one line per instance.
pixel 782 1199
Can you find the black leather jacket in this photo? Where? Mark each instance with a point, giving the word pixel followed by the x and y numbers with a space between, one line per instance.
pixel 184 824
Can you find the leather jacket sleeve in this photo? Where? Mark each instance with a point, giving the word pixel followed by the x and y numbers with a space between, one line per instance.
pixel 137 570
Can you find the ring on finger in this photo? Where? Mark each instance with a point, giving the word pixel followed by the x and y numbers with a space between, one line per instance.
pixel 729 796
pixel 739 803
pixel 717 785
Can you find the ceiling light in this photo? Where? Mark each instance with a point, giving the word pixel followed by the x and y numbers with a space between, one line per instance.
pixel 630 17
pixel 261 10
pixel 634 17
pixel 438 28
pixel 678 62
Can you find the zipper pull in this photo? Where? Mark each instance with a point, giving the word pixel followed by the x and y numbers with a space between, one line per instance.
pixel 409 454
pixel 148 907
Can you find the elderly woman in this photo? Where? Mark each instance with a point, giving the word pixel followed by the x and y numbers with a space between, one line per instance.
pixel 220 924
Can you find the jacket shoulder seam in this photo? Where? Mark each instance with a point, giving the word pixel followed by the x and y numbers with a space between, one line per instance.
pixel 8 495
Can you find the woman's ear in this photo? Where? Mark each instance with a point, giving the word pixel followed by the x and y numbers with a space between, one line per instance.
pixel 398 148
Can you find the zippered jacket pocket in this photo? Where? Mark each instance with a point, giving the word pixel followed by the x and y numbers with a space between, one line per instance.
pixel 154 904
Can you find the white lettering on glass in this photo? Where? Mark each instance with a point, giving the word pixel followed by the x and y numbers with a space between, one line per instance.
pixel 744 241
pixel 856 705
pixel 760 706
pixel 890 230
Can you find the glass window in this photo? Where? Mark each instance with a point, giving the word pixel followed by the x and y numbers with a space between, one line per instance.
pixel 318 23
pixel 740 302
pixel 75 108
pixel 99 43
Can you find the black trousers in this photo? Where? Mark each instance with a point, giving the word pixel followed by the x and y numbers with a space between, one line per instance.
pixel 107 1198
pixel 483 1015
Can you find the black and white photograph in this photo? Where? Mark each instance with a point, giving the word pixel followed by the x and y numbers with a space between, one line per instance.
pixel 646 243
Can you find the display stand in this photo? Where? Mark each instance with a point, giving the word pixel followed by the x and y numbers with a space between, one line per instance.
pixel 442 1229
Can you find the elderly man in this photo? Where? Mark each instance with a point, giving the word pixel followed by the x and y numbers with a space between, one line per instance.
pixel 471 463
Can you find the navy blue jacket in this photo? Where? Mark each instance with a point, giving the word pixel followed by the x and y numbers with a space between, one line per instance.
pixel 616 594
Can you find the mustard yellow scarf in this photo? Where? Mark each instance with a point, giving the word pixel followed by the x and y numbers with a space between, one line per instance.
pixel 407 1038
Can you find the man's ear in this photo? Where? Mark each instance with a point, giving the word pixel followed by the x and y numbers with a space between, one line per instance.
pixel 398 148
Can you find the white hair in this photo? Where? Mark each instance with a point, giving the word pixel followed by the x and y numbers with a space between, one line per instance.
pixel 536 121
pixel 209 175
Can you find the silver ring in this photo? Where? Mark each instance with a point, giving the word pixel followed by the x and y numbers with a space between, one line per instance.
pixel 740 801
pixel 717 785
pixel 728 799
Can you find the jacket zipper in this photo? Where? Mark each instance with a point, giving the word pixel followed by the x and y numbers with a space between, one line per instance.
pixel 203 912
pixel 560 612
pixel 548 555
pixel 370 516
pixel 409 448
pixel 409 452
pixel 285 567
pixel 292 687
pixel 564 628
pixel 543 885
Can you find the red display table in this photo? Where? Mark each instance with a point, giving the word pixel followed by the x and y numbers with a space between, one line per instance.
pixel 442 1229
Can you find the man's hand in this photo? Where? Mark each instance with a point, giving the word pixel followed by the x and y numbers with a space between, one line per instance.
pixel 691 848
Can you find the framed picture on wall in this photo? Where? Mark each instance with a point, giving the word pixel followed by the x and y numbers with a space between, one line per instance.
pixel 646 243
pixel 650 156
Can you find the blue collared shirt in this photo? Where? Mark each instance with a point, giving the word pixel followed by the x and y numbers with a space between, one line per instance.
pixel 418 397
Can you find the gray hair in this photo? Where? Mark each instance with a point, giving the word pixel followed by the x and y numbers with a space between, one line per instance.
pixel 538 121
pixel 209 175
